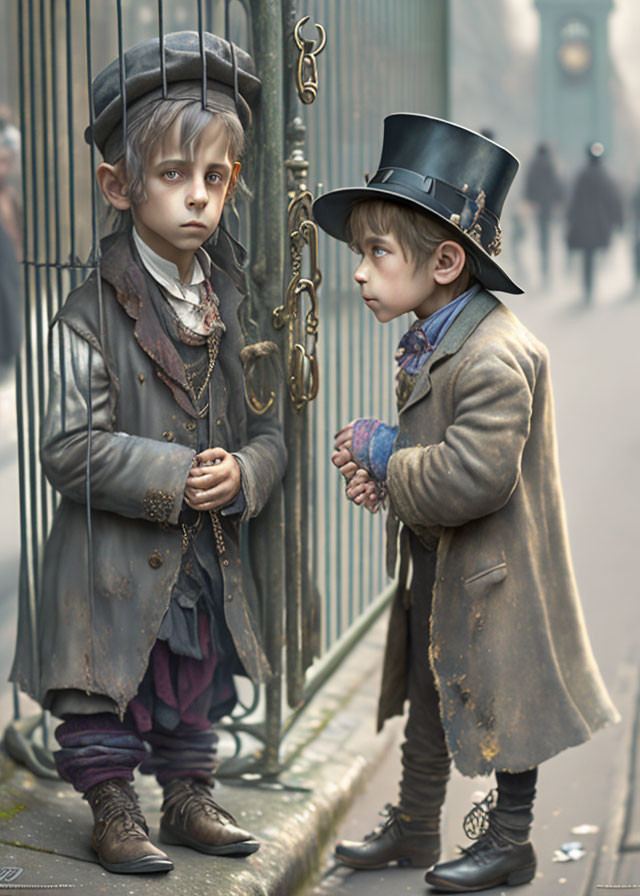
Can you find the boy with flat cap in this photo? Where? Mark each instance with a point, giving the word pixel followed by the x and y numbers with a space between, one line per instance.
pixel 487 641
pixel 145 618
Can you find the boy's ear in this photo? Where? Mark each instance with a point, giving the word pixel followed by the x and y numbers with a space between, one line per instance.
pixel 233 180
pixel 113 185
pixel 449 262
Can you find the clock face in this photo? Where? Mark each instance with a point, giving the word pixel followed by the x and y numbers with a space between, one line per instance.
pixel 575 53
pixel 575 57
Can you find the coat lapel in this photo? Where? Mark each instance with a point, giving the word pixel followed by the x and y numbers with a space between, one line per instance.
pixel 125 273
pixel 457 334
pixel 121 268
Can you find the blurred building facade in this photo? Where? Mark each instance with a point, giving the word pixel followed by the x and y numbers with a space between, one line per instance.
pixel 575 70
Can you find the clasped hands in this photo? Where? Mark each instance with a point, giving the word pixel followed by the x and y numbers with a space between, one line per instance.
pixel 213 481
pixel 360 487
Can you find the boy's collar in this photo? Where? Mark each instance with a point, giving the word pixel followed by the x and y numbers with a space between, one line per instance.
pixel 459 331
pixel 442 314
pixel 166 272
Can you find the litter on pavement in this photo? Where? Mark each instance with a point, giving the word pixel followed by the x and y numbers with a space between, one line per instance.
pixel 569 852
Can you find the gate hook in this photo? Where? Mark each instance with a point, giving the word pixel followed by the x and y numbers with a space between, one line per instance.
pixel 307 73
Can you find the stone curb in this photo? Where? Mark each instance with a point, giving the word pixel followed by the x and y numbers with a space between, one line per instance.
pixel 45 826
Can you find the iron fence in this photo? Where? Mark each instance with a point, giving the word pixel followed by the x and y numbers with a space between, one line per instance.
pixel 381 57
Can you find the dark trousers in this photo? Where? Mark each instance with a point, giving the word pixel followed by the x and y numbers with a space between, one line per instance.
pixel 544 227
pixel 588 261
pixel 425 756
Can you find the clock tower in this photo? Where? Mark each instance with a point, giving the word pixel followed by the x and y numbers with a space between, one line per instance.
pixel 574 78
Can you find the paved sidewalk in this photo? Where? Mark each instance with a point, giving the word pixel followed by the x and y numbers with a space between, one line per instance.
pixel 616 869
pixel 45 826
pixel 588 795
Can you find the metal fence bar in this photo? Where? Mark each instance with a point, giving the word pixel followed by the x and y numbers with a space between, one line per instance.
pixel 41 323
pixel 26 574
pixel 203 58
pixel 32 298
pixel 336 71
pixel 55 133
pixel 356 171
pixel 70 152
pixel 163 61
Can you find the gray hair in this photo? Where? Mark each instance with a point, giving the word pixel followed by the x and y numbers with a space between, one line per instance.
pixel 150 118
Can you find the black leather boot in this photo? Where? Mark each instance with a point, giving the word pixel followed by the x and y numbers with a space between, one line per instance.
pixel 502 854
pixel 398 839
pixel 491 861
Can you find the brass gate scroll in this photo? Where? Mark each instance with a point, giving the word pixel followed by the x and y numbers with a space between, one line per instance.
pixel 303 328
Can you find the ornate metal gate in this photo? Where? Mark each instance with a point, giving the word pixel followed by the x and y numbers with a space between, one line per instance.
pixel 317 559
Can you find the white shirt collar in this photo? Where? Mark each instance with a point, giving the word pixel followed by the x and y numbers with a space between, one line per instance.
pixel 166 272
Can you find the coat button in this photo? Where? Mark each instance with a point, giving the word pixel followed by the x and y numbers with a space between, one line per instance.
pixel 155 560
pixel 141 377
pixel 190 426
pixel 168 436
pixel 225 562
pixel 229 596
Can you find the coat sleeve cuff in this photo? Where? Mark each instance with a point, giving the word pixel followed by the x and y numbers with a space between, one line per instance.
pixel 165 505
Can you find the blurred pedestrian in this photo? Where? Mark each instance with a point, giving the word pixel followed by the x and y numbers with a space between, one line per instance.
pixel 593 213
pixel 518 236
pixel 543 188
pixel 10 303
pixel 10 204
pixel 635 220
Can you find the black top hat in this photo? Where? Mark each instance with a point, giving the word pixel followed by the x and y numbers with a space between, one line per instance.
pixel 147 68
pixel 445 170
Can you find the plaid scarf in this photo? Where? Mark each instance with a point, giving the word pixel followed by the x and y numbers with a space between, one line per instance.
pixel 421 340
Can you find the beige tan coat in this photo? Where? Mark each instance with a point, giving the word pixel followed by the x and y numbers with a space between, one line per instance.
pixel 475 466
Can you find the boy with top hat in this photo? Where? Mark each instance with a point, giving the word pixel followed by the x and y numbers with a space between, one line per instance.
pixel 487 641
pixel 148 609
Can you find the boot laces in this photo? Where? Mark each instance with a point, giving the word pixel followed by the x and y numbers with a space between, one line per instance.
pixel 483 848
pixel 391 815
pixel 118 804
pixel 195 796
pixel 476 821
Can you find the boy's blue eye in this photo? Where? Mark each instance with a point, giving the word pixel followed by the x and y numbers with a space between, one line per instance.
pixel 171 175
pixel 213 177
pixel 378 251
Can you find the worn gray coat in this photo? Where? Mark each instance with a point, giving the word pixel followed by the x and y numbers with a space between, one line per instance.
pixel 143 441
pixel 475 470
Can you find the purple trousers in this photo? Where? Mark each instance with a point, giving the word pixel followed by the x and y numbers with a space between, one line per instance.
pixel 166 730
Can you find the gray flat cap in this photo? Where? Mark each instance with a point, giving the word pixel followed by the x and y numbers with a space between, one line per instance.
pixel 183 62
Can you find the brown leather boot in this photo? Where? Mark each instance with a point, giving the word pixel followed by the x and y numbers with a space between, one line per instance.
pixel 190 817
pixel 120 833
pixel 398 839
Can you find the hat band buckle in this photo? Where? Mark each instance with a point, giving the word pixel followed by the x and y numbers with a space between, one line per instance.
pixel 469 214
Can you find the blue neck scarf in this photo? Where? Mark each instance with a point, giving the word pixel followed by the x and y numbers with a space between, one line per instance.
pixel 424 335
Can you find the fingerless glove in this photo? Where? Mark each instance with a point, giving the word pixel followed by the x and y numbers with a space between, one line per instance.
pixel 372 446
